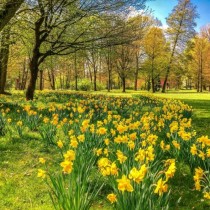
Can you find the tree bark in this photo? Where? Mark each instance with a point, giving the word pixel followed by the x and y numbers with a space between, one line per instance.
pixel 136 73
pixel 109 69
pixel 34 69
pixel 24 76
pixel 4 56
pixel 34 63
pixel 51 76
pixel 123 84
pixel 41 80
pixel 201 74
pixel 95 78
pixel 75 71
pixel 153 79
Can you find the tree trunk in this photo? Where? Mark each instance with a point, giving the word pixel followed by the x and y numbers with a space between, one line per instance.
pixel 109 69
pixel 24 76
pixel 198 81
pixel 201 74
pixel 41 79
pixel 34 63
pixel 165 82
pixel 60 78
pixel 170 63
pixel 95 78
pixel 90 73
pixel 32 83
pixel 51 76
pixel 68 78
pixel 75 71
pixel 153 79
pixel 109 81
pixel 148 84
pixel 136 73
pixel 4 56
pixel 153 85
pixel 123 84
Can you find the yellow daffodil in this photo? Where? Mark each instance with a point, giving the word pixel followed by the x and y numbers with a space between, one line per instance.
pixel 112 198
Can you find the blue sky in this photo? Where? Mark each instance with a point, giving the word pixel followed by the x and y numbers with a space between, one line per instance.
pixel 162 8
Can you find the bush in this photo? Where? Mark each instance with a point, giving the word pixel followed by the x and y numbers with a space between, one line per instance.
pixel 84 85
pixel 100 86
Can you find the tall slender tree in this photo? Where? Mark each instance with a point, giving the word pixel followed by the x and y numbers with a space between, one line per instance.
pixel 181 24
pixel 200 55
pixel 154 45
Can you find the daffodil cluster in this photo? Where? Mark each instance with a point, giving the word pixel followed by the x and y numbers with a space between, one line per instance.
pixel 133 145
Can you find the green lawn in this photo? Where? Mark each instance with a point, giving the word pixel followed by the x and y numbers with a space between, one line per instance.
pixel 21 190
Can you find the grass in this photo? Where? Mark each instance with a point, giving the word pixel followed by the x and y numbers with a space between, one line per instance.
pixel 19 187
pixel 21 190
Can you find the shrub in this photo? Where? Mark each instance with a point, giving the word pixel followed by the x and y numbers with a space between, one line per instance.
pixel 84 85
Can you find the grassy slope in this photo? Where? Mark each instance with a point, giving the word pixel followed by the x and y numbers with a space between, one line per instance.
pixel 20 189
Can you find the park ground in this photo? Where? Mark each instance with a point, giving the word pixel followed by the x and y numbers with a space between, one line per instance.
pixel 21 190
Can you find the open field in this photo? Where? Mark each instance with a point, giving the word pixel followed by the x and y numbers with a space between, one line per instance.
pixel 19 160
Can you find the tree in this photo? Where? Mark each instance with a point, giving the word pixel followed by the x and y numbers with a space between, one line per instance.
pixel 124 60
pixel 4 56
pixel 181 24
pixel 154 46
pixel 205 31
pixel 143 21
pixel 7 10
pixel 64 26
pixel 200 55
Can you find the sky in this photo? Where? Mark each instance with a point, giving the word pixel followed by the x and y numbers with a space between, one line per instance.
pixel 162 8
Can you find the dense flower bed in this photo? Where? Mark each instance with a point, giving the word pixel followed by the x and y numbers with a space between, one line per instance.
pixel 128 146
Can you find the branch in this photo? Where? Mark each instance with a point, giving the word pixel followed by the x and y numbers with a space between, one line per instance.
pixel 8 10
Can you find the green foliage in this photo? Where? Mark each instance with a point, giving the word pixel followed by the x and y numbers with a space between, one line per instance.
pixel 100 86
pixel 85 85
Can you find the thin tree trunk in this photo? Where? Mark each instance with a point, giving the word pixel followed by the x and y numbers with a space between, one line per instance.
pixel 41 80
pixel 123 84
pixel 201 74
pixel 75 71
pixel 153 80
pixel 136 73
pixel 4 56
pixel 153 85
pixel 108 61
pixel 95 78
pixel 109 80
pixel 51 76
pixel 170 62
pixel 61 84
pixel 24 76
pixel 198 81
